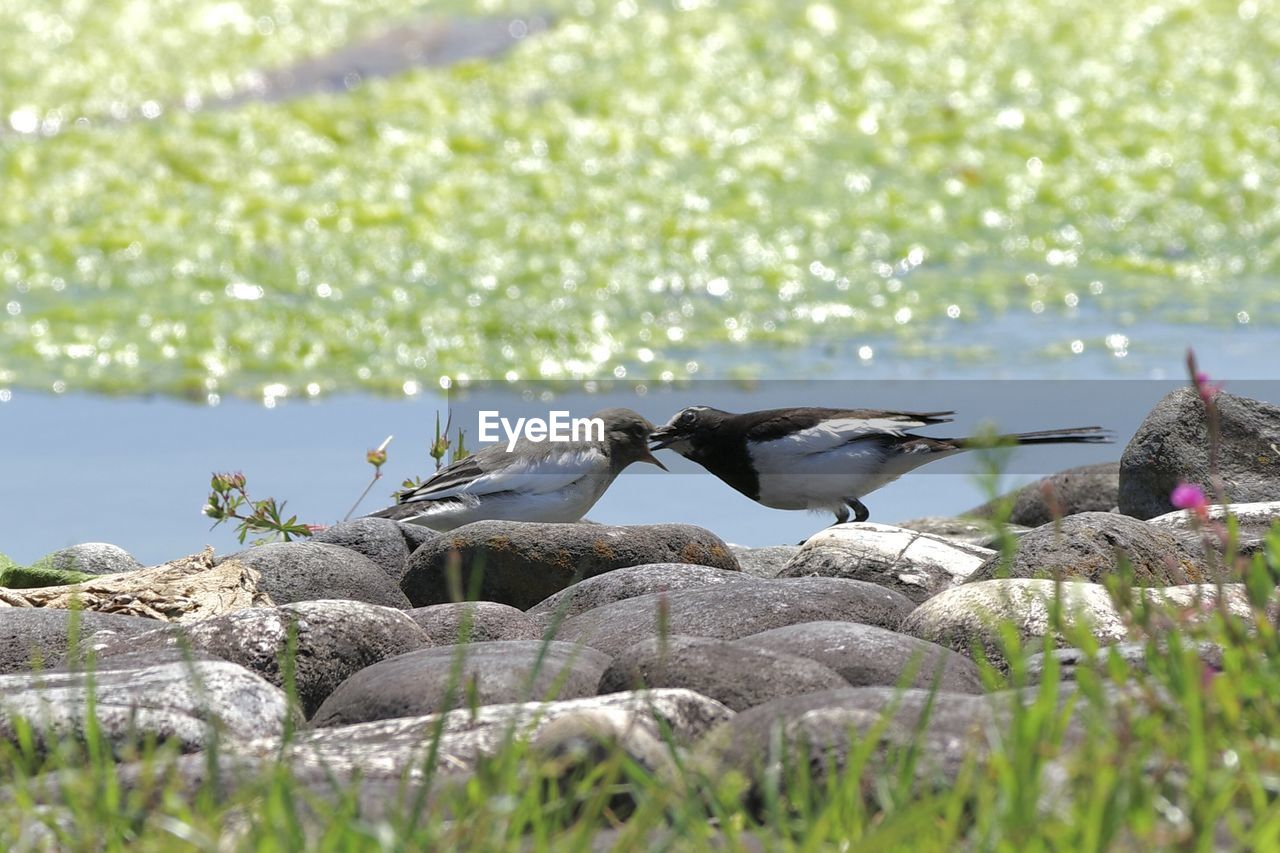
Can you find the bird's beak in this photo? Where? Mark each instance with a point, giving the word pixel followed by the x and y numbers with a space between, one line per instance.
pixel 662 437
pixel 650 458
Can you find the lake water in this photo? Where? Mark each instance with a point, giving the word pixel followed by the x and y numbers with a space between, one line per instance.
pixel 642 190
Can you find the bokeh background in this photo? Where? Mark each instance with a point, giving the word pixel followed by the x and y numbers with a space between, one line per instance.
pixel 264 235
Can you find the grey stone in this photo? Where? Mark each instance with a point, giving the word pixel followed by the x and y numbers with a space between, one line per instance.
pixel 816 733
pixel 483 621
pixel 416 535
pixel 400 748
pixel 914 564
pixel 39 635
pixel 738 676
pixel 1135 655
pixel 1172 446
pixel 1254 521
pixel 965 531
pixel 766 562
pixel 966 617
pixel 734 610
pixel 522 563
pixel 432 680
pixel 379 539
pixel 334 640
pixel 1088 546
pixel 93 558
pixel 181 702
pixel 629 583
pixel 867 656
pixel 311 571
pixel 1088 488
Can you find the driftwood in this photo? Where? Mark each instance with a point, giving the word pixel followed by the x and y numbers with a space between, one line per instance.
pixel 185 590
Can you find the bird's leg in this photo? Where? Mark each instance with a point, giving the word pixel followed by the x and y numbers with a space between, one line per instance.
pixel 842 515
pixel 860 512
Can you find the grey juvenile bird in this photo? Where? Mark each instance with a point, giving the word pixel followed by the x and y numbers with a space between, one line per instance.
pixel 812 458
pixel 534 481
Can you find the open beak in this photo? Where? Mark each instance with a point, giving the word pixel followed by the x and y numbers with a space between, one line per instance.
pixel 662 437
pixel 650 458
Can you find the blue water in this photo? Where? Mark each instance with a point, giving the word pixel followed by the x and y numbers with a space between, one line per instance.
pixel 135 472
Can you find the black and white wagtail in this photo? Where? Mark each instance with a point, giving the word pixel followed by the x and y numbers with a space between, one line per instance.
pixel 534 481
pixel 811 458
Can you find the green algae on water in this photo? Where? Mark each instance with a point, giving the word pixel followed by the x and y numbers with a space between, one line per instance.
pixel 640 180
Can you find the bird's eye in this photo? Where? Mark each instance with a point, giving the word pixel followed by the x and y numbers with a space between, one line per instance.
pixel 688 416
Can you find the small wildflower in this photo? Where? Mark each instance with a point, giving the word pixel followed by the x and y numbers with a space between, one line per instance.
pixel 378 456
pixel 1192 497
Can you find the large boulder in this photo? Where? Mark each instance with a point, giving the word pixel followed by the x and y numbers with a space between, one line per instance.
pixel 39 636
pixel 1172 447
pixel 734 610
pixel 914 564
pixel 140 697
pixel 1088 488
pixel 522 563
pixel 629 583
pixel 475 622
pixel 867 656
pixel 311 571
pixel 739 676
pixel 1089 545
pixel 432 680
pixel 333 640
pixel 380 539
pixel 968 617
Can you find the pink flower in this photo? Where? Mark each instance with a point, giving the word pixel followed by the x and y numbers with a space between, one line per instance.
pixel 1190 496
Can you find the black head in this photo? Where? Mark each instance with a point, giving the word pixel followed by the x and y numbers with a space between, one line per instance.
pixel 626 433
pixel 683 432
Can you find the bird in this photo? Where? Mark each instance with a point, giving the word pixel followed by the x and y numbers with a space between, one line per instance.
pixel 533 481
pixel 812 458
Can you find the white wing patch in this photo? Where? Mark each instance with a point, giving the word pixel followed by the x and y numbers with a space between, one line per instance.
pixel 536 475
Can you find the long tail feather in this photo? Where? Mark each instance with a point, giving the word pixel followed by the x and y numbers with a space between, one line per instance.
pixel 1070 435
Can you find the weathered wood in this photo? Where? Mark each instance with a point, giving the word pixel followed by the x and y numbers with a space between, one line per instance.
pixel 185 590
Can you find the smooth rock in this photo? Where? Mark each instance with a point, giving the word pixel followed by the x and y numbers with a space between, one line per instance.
pixel 1088 488
pixel 1087 546
pixel 964 531
pixel 738 676
pixel 416 535
pixel 734 610
pixel 914 564
pixel 31 635
pixel 1172 446
pixel 475 622
pixel 334 640
pixel 432 680
pixel 1255 521
pixel 766 562
pixel 379 539
pixel 867 656
pixel 93 558
pixel 312 571
pixel 522 563
pixel 399 748
pixel 630 582
pixel 1135 655
pixel 965 617
pixel 815 734
pixel 179 701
